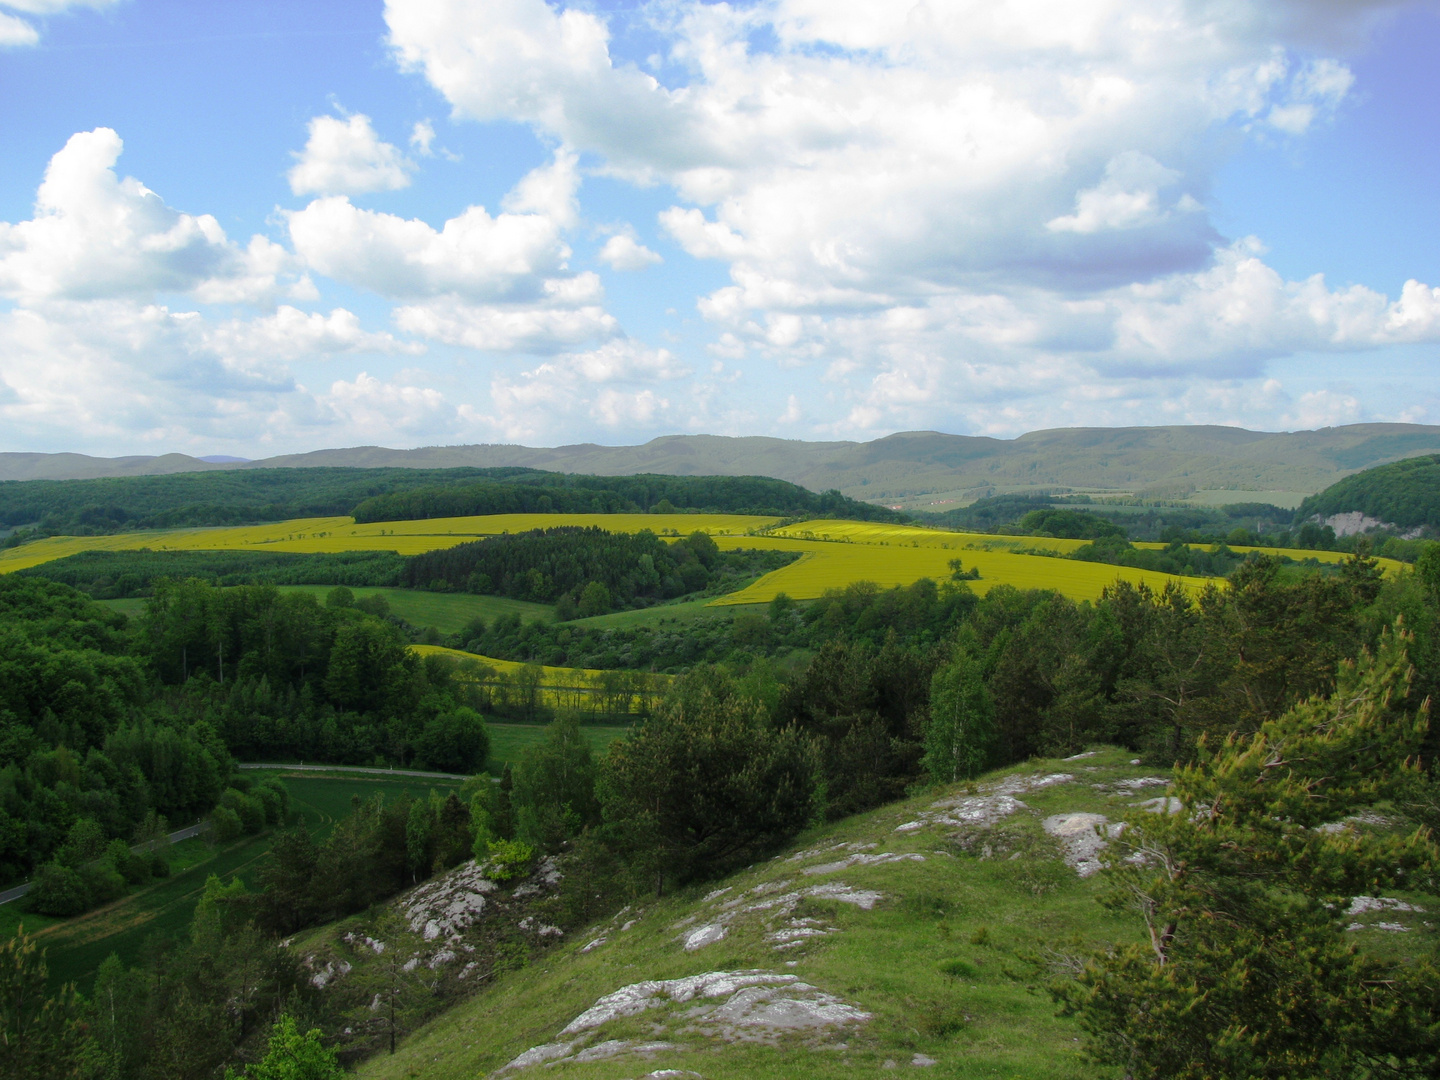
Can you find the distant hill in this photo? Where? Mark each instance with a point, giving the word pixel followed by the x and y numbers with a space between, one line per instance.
pixel 1404 493
pixel 921 469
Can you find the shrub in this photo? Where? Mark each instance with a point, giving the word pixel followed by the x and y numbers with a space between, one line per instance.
pixel 508 859
pixel 59 891
pixel 225 824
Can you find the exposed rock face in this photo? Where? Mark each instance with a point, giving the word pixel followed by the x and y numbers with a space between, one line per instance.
pixel 1082 837
pixel 1355 522
pixel 731 1006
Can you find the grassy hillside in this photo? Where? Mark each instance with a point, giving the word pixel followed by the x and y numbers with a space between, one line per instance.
pixel 1404 493
pixel 918 934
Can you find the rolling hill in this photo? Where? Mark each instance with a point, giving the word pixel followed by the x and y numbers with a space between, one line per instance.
pixel 919 469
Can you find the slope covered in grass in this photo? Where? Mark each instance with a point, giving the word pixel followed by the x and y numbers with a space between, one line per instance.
pixel 916 929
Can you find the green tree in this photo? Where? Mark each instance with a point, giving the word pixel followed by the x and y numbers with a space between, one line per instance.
pixel 706 784
pixel 960 735
pixel 455 741
pixel 40 1036
pixel 293 1056
pixel 594 600
pixel 1246 970
pixel 554 787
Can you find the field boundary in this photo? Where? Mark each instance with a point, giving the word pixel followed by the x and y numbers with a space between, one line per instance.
pixel 174 838
pixel 302 767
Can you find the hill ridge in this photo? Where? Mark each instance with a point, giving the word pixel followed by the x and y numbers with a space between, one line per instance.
pixel 905 466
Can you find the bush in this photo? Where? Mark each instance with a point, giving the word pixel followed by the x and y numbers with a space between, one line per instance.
pixel 250 811
pixel 508 859
pixel 135 869
pixel 454 742
pixel 103 883
pixel 225 824
pixel 159 867
pixel 59 891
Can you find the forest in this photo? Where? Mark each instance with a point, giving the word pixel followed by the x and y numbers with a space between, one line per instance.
pixel 1404 493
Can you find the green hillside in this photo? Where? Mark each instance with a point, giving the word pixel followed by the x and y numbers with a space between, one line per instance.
pixel 1404 493
pixel 920 933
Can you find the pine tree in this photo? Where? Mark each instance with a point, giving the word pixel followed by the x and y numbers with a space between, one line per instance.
pixel 1245 969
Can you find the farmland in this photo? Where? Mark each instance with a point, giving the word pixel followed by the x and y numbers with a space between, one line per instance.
pixel 833 555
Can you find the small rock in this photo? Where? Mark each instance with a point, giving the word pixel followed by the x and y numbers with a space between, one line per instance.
pixel 923 1061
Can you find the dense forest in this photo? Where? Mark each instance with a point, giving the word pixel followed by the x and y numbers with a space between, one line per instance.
pixel 585 571
pixel 588 571
pixel 1404 493
pixel 118 575
pixel 244 496
pixel 548 493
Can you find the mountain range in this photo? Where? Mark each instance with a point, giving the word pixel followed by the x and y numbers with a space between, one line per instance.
pixel 919 470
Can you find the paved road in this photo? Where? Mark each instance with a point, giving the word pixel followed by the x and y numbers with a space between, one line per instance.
pixel 360 769
pixel 175 837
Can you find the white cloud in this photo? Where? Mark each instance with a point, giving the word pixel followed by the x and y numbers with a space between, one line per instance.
pixel 292 334
pixel 472 255
pixel 499 328
pixel 347 157
pixel 421 136
pixel 623 252
pixel 548 191
pixel 1128 197
pixel 389 410
pixel 987 182
pixel 94 235
pixel 17 32
pixel 616 385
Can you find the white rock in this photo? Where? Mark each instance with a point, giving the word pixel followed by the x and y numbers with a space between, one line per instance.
pixel 1081 839
pixel 1359 905
pixel 704 935
pixel 861 860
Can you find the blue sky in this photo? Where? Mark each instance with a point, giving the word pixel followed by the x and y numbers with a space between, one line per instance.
pixel 266 227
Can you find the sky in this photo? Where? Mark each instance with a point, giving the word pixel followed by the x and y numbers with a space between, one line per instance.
pixel 271 227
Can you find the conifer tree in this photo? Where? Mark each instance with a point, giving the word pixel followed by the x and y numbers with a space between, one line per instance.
pixel 1246 969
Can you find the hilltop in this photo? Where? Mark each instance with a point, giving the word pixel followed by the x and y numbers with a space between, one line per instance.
pixel 918 935
pixel 921 470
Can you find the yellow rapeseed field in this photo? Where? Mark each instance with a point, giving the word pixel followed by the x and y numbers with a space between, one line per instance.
pixel 833 553
pixel 830 565
pixel 579 689
pixel 309 535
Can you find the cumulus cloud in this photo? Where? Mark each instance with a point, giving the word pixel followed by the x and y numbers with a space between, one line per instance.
pixel 623 252
pixel 473 255
pixel 347 157
pixel 612 385
pixel 94 235
pixel 292 334
pixel 972 192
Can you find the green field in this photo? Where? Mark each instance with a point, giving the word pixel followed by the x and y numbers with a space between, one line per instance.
pixel 446 612
pixel 509 741
pixel 75 947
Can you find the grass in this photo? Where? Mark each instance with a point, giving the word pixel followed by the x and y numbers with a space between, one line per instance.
pixel 446 612
pixel 509 741
pixel 75 947
pixel 949 964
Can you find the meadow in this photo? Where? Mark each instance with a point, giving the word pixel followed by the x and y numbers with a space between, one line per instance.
pixel 75 947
